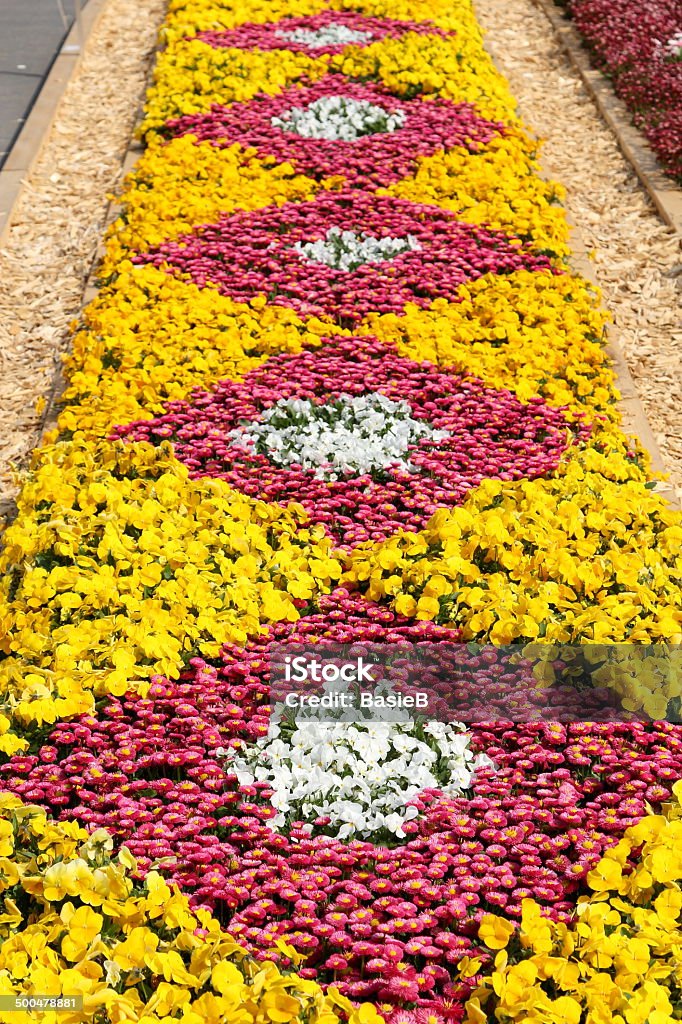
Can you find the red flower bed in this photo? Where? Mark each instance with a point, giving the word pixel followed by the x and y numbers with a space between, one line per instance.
pixel 634 43
pixel 248 254
pixel 298 34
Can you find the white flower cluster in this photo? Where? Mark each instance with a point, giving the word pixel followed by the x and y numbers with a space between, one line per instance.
pixel 339 118
pixel 360 776
pixel 346 250
pixel 673 46
pixel 350 434
pixel 333 34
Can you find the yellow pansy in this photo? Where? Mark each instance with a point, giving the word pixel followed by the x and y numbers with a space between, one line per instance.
pixel 495 931
pixel 607 875
pixel 84 925
pixel 6 839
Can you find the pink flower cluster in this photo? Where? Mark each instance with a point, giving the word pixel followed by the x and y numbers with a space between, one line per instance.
pixel 274 35
pixel 372 160
pixel 249 254
pixel 490 434
pixel 628 40
pixel 383 923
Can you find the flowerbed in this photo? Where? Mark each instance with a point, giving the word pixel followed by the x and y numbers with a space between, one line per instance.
pixel 152 771
pixel 340 383
pixel 464 432
pixel 640 48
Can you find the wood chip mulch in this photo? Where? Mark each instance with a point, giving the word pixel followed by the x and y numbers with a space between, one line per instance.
pixel 637 259
pixel 48 253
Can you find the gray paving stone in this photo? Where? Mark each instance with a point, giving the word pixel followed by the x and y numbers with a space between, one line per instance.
pixel 16 92
pixel 31 34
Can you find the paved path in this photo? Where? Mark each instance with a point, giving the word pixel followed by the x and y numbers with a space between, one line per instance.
pixel 31 34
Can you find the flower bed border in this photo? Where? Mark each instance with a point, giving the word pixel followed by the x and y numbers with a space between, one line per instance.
pixel 634 416
pixel 28 146
pixel 660 187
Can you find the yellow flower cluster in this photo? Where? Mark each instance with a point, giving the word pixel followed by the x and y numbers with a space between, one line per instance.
pixel 187 17
pixel 179 184
pixel 456 15
pixel 590 555
pixel 456 68
pixel 119 567
pixel 619 962
pixel 191 76
pixel 499 186
pixel 74 921
pixel 531 333
pixel 149 338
